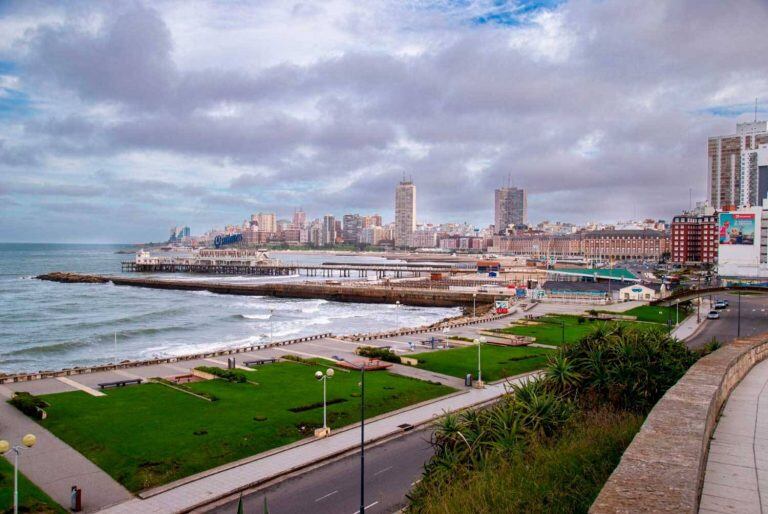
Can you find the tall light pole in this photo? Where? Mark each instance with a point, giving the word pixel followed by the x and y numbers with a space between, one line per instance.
pixel 324 378
pixel 271 324
pixel 474 305
pixel 362 438
pixel 28 441
pixel 397 313
pixel 479 343
pixel 738 323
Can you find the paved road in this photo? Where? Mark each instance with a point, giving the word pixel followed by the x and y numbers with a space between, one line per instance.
pixel 754 319
pixel 334 488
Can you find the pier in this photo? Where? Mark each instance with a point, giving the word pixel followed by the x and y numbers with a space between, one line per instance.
pixel 367 293
pixel 321 270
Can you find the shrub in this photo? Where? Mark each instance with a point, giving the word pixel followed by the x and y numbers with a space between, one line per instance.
pixel 316 405
pixel 374 352
pixel 549 445
pixel 29 404
pixel 230 375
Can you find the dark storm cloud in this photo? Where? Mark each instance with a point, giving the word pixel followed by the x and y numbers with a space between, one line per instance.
pixel 600 109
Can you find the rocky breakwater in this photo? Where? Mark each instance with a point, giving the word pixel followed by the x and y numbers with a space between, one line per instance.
pixel 73 278
pixel 332 292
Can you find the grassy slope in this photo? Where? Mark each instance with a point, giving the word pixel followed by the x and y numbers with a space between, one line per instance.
pixel 653 314
pixel 145 435
pixel 563 476
pixel 551 333
pixel 31 498
pixel 497 361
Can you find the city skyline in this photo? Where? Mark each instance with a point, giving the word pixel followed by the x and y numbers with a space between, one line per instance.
pixel 104 139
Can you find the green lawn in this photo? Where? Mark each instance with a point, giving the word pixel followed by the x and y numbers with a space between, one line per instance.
pixel 548 329
pixel 655 314
pixel 31 499
pixel 497 361
pixel 151 434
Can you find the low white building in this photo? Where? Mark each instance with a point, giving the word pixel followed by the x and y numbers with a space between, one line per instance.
pixel 642 292
pixel 743 245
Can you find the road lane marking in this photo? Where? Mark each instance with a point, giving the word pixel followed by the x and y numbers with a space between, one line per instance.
pixel 367 507
pixel 382 471
pixel 327 495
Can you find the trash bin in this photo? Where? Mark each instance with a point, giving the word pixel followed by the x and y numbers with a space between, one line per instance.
pixel 76 499
pixel 468 380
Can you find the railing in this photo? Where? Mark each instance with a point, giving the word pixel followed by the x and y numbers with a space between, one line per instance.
pixel 24 377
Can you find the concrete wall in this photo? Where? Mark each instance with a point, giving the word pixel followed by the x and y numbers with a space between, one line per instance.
pixel 663 469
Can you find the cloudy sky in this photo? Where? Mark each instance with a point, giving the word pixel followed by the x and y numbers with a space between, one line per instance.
pixel 118 120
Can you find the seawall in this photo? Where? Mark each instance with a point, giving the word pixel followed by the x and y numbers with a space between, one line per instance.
pixel 336 293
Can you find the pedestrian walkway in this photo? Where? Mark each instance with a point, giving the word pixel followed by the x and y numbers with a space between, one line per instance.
pixel 690 326
pixel 212 486
pixel 55 466
pixel 736 479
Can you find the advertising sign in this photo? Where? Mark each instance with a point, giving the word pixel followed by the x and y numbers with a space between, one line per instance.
pixel 502 306
pixel 220 241
pixel 737 229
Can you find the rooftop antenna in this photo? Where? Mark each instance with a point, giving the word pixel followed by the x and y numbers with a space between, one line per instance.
pixel 690 200
pixel 755 109
pixel 509 180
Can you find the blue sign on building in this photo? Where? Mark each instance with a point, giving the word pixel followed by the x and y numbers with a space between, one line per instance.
pixel 220 241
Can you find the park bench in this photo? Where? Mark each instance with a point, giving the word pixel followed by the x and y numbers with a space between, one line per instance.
pixel 120 383
pixel 259 362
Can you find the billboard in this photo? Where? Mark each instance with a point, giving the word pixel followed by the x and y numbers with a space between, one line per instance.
pixel 220 241
pixel 737 229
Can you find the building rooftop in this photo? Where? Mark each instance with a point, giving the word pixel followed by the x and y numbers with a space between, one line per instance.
pixel 600 273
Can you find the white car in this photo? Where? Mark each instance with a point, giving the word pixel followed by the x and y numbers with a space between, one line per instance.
pixel 713 315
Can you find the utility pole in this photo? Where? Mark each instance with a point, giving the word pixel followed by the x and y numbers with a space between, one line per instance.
pixel 362 439
pixel 738 323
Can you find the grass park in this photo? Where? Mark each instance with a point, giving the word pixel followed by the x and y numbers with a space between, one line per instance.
pixel 497 361
pixel 31 498
pixel 152 434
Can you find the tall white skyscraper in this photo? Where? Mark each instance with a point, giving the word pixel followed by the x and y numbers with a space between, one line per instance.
pixel 405 213
pixel 738 166
pixel 511 208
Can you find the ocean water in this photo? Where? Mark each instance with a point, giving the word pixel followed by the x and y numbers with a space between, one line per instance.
pixel 47 325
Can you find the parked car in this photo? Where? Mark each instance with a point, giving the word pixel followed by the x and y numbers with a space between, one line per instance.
pixel 713 315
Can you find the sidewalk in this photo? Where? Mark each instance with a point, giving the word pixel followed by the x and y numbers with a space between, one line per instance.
pixel 736 478
pixel 690 326
pixel 212 486
pixel 55 466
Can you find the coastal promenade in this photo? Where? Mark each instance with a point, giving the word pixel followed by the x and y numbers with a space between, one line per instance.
pixel 100 490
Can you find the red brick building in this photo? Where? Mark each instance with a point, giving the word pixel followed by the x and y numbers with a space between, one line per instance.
pixel 694 239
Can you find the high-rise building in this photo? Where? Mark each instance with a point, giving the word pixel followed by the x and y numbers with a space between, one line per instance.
pixel 694 237
pixel 738 166
pixel 328 237
pixel 351 226
pixel 511 208
pixel 405 213
pixel 299 219
pixel 265 221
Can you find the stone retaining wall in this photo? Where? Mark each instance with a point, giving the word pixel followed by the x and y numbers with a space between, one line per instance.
pixel 9 379
pixel 663 469
pixel 423 330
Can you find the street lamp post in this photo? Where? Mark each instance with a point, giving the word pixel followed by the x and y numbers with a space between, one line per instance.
pixel 362 438
pixel 474 305
pixel 397 313
pixel 322 432
pixel 479 384
pixel 738 323
pixel 271 325
pixel 28 441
